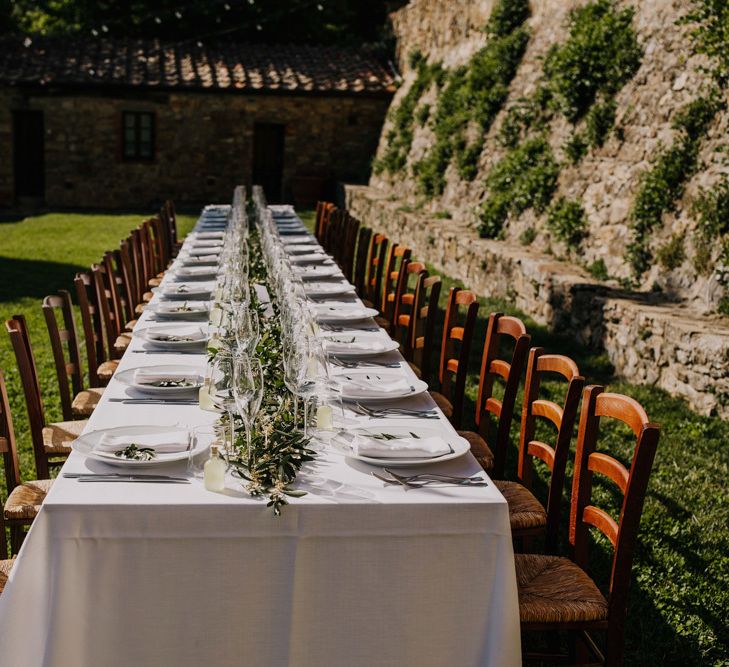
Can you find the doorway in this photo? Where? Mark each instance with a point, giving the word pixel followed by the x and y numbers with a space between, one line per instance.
pixel 268 159
pixel 28 154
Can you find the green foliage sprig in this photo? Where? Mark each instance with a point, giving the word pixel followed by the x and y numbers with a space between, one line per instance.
pixel 710 33
pixel 525 177
pixel 278 448
pixel 662 185
pixel 472 97
pixel 566 220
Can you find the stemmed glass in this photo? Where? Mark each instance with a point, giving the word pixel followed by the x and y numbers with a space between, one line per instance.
pixel 247 330
pixel 221 392
pixel 313 374
pixel 248 391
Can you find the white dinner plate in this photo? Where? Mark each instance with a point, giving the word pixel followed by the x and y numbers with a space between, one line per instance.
pixel 327 289
pixel 87 443
pixel 200 260
pixel 374 378
pixel 458 444
pixel 127 377
pixel 176 310
pixel 158 337
pixel 347 344
pixel 311 258
pixel 304 249
pixel 196 272
pixel 312 272
pixel 298 239
pixel 341 313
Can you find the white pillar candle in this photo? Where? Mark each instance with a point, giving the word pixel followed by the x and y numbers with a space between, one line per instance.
pixel 324 421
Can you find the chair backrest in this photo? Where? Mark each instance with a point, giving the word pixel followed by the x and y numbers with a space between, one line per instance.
pixel 125 261
pixel 376 267
pixel 122 310
pixel 412 275
pixel 391 278
pixel 172 217
pixel 91 323
pixel 65 348
pixel 323 211
pixel 105 300
pixel 165 232
pixel 364 241
pixel 20 339
pixel 562 417
pixel 153 246
pixel 632 483
pixel 425 314
pixel 350 241
pixel 333 236
pixel 8 446
pixel 501 329
pixel 159 246
pixel 456 343
pixel 145 253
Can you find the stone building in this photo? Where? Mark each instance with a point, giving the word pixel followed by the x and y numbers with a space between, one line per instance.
pixel 125 124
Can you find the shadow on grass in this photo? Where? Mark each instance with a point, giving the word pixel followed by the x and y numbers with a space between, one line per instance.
pixel 21 278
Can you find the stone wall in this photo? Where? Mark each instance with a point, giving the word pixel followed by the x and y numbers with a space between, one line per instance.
pixel 607 178
pixel 203 144
pixel 647 341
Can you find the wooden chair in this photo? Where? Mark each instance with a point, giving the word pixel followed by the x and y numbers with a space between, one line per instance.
pixel 175 244
pixel 527 515
pixel 123 312
pixel 391 284
pixel 501 328
pixel 455 353
pixel 324 211
pixel 51 442
pixel 130 280
pixel 100 367
pixel 422 326
pixel 412 276
pixel 24 498
pixel 364 241
pixel 350 242
pixel 375 268
pixel 109 319
pixel 557 594
pixel 67 357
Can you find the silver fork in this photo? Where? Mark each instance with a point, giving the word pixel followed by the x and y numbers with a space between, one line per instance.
pixel 396 411
pixel 343 363
pixel 419 484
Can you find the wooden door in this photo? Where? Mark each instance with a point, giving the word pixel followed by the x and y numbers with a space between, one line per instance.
pixel 28 154
pixel 268 159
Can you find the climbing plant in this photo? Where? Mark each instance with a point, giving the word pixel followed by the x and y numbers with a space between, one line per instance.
pixel 663 184
pixel 566 221
pixel 472 96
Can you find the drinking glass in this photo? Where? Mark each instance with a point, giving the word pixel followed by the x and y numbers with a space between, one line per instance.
pixel 248 391
pixel 221 373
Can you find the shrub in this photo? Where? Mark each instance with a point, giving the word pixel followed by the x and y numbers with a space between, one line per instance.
pixel 527 236
pixel 598 270
pixel 566 220
pixel 599 121
pixel 671 255
pixel 600 55
pixel 711 34
pixel 575 147
pixel 525 177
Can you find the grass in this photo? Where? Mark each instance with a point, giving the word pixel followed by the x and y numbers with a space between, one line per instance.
pixel 680 591
pixel 679 594
pixel 39 256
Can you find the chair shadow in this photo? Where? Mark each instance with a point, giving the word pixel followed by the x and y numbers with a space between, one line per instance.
pixel 21 278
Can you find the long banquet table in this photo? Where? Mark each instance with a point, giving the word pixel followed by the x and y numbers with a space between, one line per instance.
pixel 354 573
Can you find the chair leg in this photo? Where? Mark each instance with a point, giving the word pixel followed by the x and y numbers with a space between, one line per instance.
pixel 17 534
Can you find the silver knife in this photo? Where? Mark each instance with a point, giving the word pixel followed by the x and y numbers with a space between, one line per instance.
pixel 121 477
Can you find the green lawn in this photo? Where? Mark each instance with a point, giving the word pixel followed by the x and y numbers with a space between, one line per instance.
pixel 680 594
pixel 679 598
pixel 39 256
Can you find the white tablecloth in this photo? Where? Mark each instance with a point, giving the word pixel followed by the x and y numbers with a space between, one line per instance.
pixel 354 573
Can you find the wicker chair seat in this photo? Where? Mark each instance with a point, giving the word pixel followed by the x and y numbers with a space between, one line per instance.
pixel 147 296
pixel 479 449
pixel 85 401
pixel 57 437
pixel 554 590
pixel 122 342
pixel 525 511
pixel 129 326
pixel 155 282
pixel 25 499
pixel 139 309
pixel 107 369
pixel 443 403
pixel 5 567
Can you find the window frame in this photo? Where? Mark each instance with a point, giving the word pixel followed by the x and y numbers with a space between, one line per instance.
pixel 137 115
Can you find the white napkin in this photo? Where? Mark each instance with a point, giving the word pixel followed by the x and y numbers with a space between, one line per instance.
pixel 353 312
pixel 196 270
pixel 308 248
pixel 173 289
pixel 208 252
pixel 207 243
pixel 200 260
pixel 150 376
pixel 328 288
pixel 162 443
pixel 298 239
pixel 209 235
pixel 311 258
pixel 338 347
pixel 195 306
pixel 373 388
pixel 401 448
pixel 195 334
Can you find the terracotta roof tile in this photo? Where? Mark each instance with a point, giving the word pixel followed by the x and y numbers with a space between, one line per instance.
pixel 149 63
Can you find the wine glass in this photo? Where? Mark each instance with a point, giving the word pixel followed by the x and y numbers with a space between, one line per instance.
pixel 248 391
pixel 247 329
pixel 220 390
pixel 313 374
